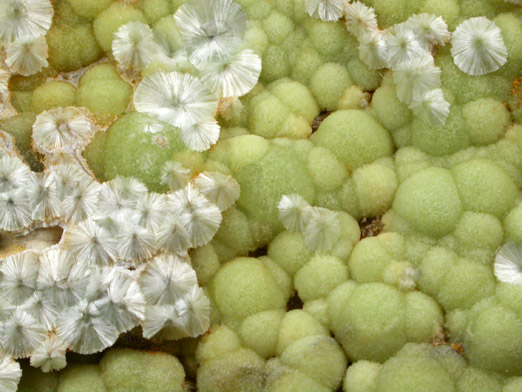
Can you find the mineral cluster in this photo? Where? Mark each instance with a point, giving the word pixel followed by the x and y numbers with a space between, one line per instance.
pixel 261 195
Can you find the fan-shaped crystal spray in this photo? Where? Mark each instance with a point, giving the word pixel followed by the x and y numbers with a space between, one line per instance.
pixel 50 355
pixel 432 105
pixel 508 264
pixel 219 188
pixel 14 174
pixel 10 374
pixel 402 45
pixel 133 45
pixel 201 218
pixel 291 209
pixel 178 99
pixel 20 334
pixel 61 129
pixel 416 77
pixel 322 228
pixel 18 275
pixel 373 50
pixel 478 47
pixel 429 29
pixel 359 18
pixel 234 76
pixel 202 135
pixel 91 243
pixel 24 18
pixel 27 55
pixel 165 280
pixel 211 29
pixel 327 10
pixel 174 175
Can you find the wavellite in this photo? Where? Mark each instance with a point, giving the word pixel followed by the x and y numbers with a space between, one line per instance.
pixel 415 307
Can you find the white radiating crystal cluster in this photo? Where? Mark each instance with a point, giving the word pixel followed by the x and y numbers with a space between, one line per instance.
pixel 508 263
pixel 320 226
pixel 122 260
pixel 212 33
pixel 407 49
pixel 23 25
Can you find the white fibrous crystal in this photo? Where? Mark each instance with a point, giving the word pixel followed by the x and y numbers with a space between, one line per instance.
pixel 50 355
pixel 10 374
pixel 291 209
pixel 133 45
pixel 202 135
pixel 360 19
pixel 327 10
pixel 15 210
pixel 81 202
pixel 135 243
pixel 478 47
pixel 415 77
pixel 150 210
pixel 172 235
pixel 27 55
pixel 19 274
pixel 84 329
pixel 200 217
pixel 14 174
pixel 80 294
pixel 402 45
pixel 218 188
pixel 429 29
pixel 320 227
pixel 212 30
pixel 373 50
pixel 47 204
pixel 165 280
pixel 174 175
pixel 61 129
pixel 178 99
pixel 233 77
pixel 431 105
pixel 508 264
pixel 20 334
pixel 91 243
pixel 198 310
pixel 24 18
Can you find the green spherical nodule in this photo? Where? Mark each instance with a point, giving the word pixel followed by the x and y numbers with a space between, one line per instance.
pixel 279 172
pixel 81 378
pixel 105 98
pixel 487 119
pixel 429 201
pixel 319 276
pixel 139 146
pixel 328 85
pixel 72 47
pixel 319 357
pixel 368 321
pixel 126 370
pixel 109 20
pixel 89 8
pixel 485 187
pixel 51 95
pixel 243 287
pixel 354 136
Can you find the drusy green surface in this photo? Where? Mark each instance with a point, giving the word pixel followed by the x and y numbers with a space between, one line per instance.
pixel 417 307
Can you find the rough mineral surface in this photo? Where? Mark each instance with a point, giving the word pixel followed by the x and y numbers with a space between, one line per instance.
pixel 261 195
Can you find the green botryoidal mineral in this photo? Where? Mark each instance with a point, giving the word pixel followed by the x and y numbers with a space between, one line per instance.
pixel 260 195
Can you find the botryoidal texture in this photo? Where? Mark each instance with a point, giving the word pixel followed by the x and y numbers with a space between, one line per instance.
pixel 182 184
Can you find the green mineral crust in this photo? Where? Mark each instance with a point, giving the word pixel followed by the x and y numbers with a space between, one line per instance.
pixel 344 216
